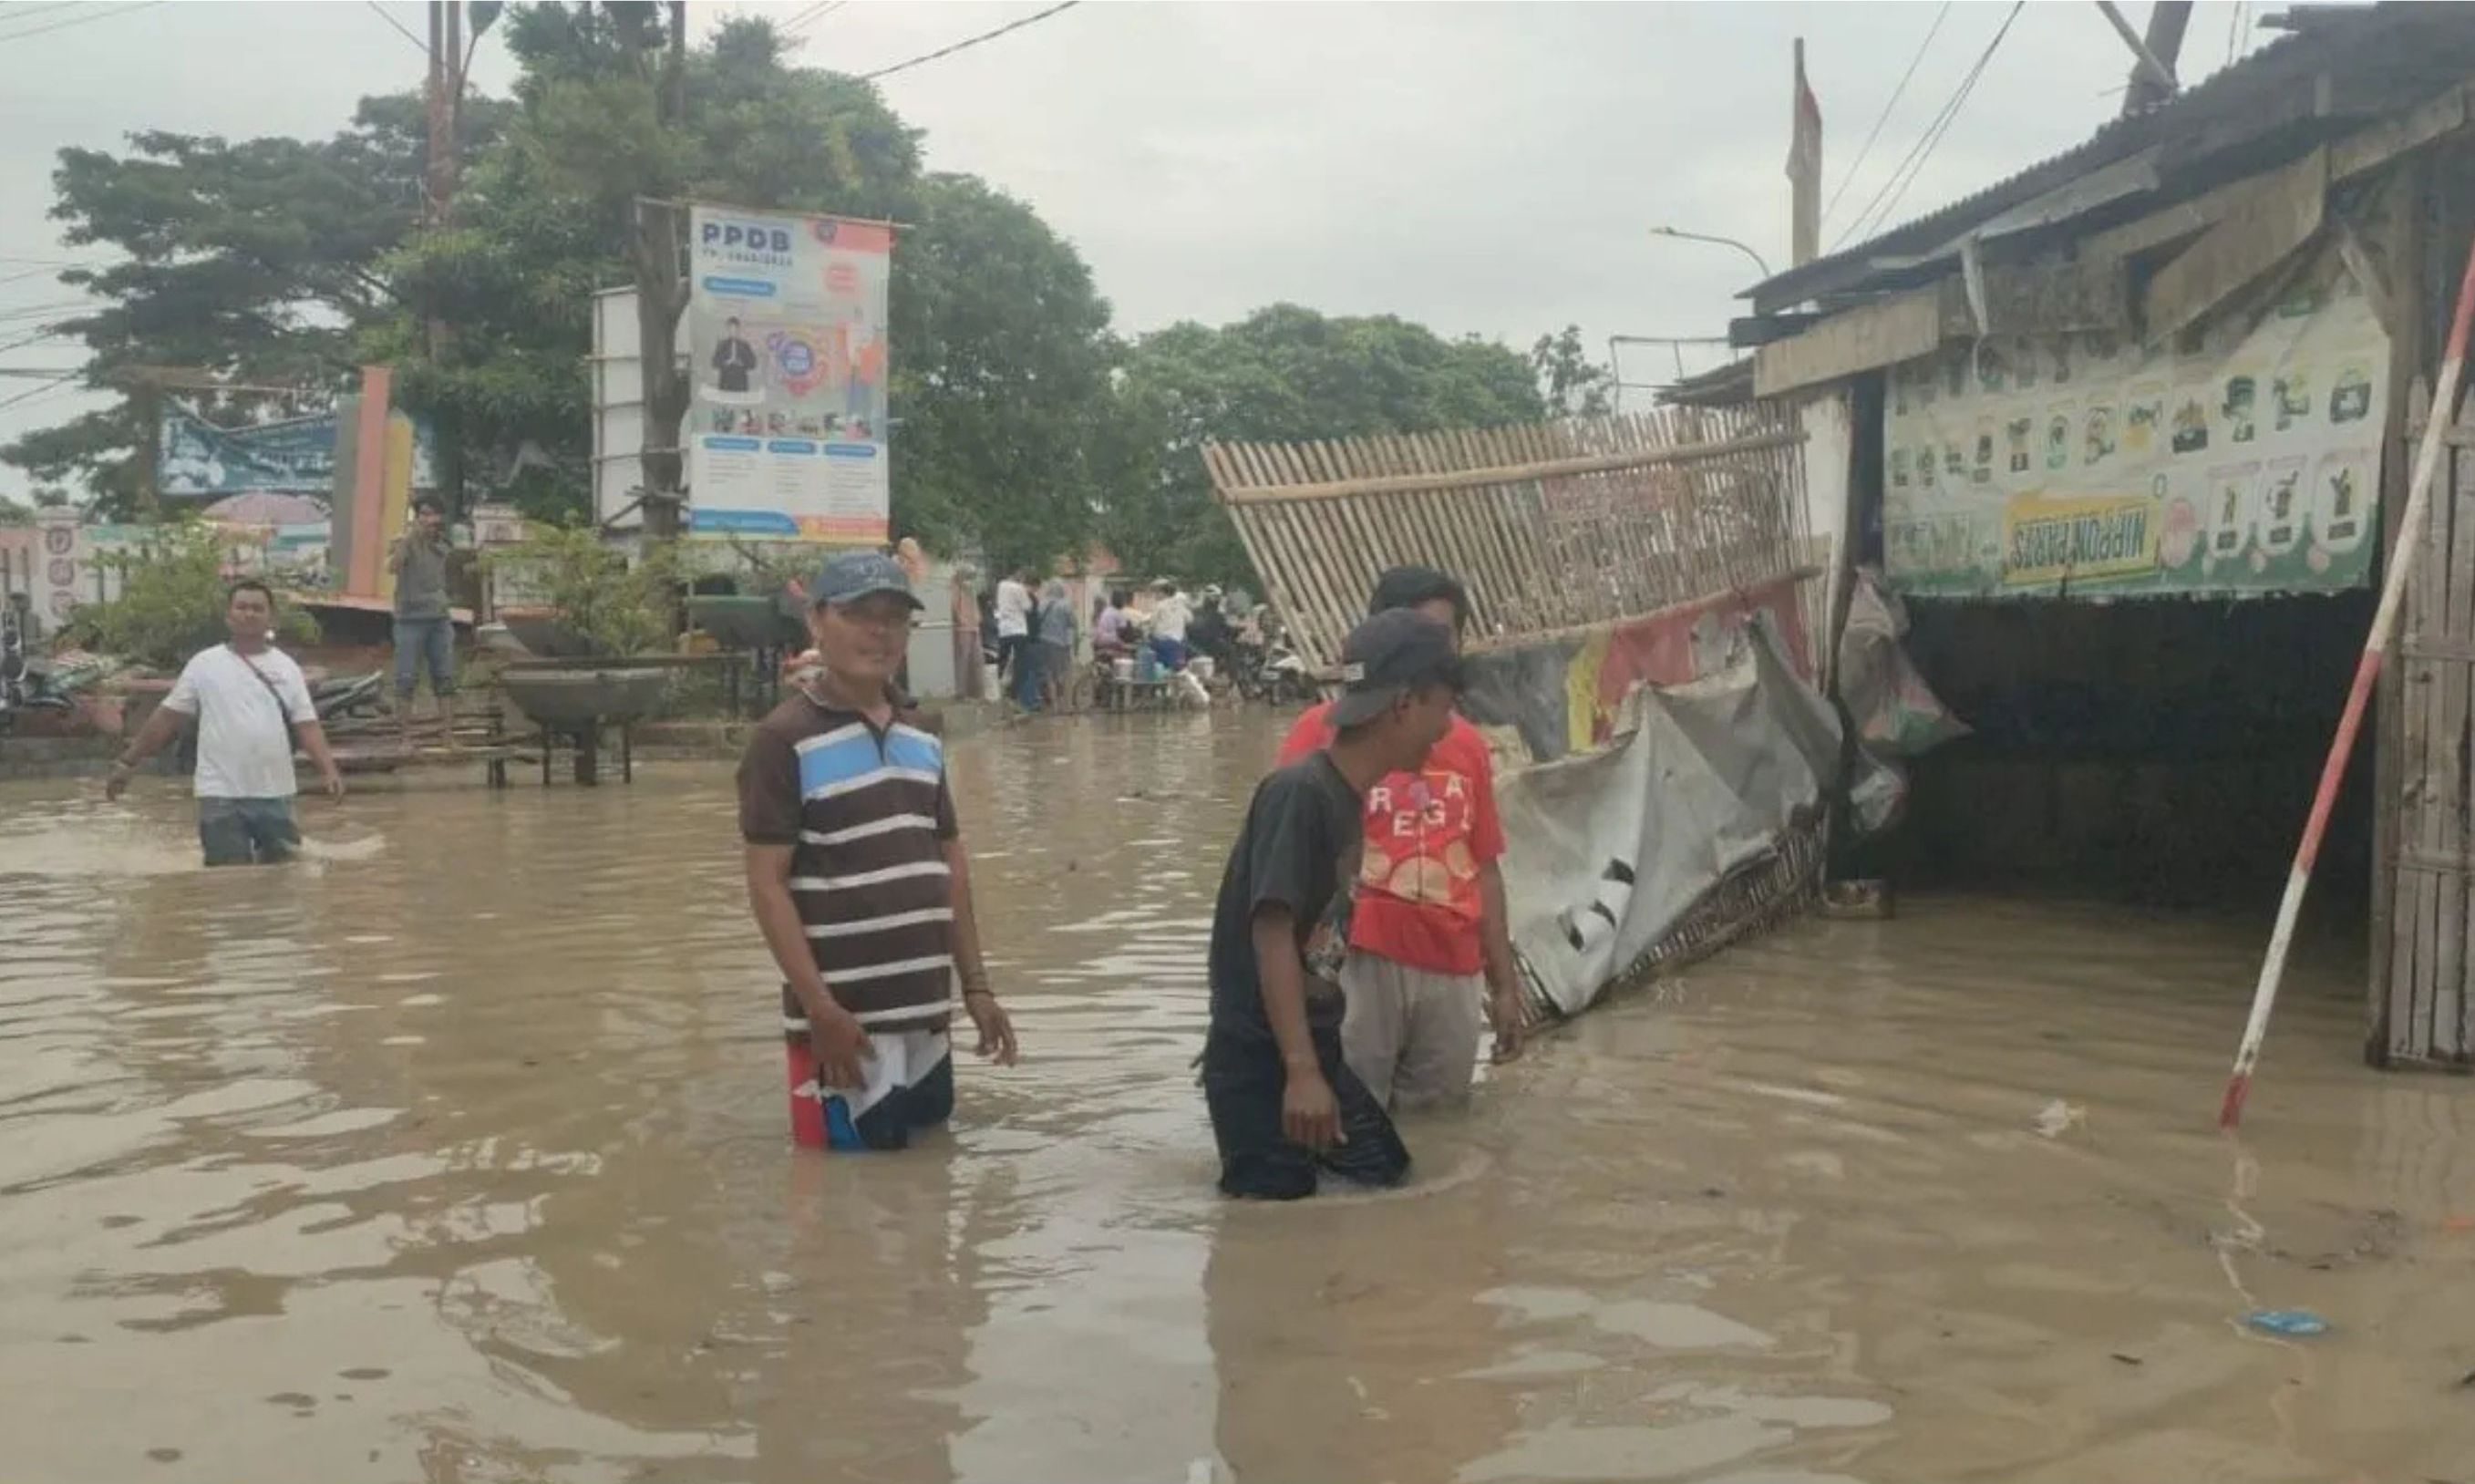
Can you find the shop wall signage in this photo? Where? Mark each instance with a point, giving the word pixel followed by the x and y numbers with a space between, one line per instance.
pixel 2245 460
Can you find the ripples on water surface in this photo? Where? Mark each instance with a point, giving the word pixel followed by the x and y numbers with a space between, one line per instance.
pixel 458 1154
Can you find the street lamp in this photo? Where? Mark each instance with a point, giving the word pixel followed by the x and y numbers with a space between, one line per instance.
pixel 1703 236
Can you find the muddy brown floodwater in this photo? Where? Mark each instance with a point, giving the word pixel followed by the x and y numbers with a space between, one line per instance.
pixel 458 1155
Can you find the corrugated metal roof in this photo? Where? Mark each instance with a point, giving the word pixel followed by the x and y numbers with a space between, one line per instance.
pixel 2405 46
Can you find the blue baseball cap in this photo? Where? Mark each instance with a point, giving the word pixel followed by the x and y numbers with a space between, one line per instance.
pixel 850 575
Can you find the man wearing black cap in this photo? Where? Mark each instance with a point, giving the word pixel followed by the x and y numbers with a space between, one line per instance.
pixel 857 877
pixel 1430 955
pixel 1283 1102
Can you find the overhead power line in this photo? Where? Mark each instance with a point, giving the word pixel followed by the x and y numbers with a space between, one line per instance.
pixel 33 392
pixel 1896 93
pixel 26 12
pixel 968 42
pixel 1904 174
pixel 400 28
pixel 817 12
pixel 83 16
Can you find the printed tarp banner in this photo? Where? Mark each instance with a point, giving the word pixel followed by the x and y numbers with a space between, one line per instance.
pixel 1566 694
pixel 787 419
pixel 2246 462
pixel 1608 852
pixel 196 459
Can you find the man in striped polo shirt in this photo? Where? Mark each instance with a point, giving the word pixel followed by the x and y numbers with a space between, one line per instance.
pixel 857 877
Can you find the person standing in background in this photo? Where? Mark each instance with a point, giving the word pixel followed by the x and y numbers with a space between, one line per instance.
pixel 1429 948
pixel 1109 630
pixel 250 704
pixel 1014 611
pixel 1169 618
pixel 424 635
pixel 1057 631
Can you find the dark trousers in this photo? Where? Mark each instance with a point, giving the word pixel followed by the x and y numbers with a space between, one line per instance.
pixel 1014 652
pixel 246 832
pixel 1243 1082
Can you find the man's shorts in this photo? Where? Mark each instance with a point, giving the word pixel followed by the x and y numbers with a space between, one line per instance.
pixel 1411 1034
pixel 1243 1082
pixel 246 832
pixel 910 1085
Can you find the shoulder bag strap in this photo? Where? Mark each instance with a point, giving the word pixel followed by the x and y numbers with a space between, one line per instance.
pixel 282 712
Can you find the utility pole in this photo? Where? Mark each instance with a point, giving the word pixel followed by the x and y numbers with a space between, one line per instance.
pixel 148 394
pixel 445 93
pixel 1803 170
pixel 661 297
pixel 2153 54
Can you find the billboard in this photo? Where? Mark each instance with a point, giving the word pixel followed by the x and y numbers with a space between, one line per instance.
pixel 787 357
pixel 2243 461
pixel 197 460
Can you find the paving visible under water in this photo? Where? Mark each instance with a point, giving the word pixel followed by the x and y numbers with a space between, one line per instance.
pixel 458 1155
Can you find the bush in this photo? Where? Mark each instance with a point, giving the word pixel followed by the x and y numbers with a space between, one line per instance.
pixel 173 593
pixel 599 596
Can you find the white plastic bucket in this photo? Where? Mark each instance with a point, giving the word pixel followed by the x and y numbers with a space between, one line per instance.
pixel 1200 668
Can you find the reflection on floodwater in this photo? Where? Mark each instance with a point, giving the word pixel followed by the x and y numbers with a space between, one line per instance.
pixel 456 1153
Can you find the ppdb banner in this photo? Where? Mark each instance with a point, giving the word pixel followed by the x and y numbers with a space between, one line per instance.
pixel 787 340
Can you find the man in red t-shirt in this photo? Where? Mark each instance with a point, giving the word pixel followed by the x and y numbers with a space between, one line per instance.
pixel 1429 952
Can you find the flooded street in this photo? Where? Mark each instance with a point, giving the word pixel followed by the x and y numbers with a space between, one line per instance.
pixel 459 1154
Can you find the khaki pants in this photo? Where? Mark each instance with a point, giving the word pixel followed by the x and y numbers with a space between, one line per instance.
pixel 1411 1034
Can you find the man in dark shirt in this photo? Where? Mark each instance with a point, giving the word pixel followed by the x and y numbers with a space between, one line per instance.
pixel 858 881
pixel 734 359
pixel 1282 1099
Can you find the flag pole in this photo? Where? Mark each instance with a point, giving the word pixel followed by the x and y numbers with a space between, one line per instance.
pixel 2367 669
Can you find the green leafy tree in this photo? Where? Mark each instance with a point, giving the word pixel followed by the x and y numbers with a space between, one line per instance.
pixel 1569 382
pixel 1002 359
pixel 254 260
pixel 171 602
pixel 1282 373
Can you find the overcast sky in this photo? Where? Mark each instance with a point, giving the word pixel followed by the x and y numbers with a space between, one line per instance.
pixel 1487 168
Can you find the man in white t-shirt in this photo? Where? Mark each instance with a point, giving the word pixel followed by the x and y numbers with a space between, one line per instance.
pixel 1013 608
pixel 251 703
pixel 1171 612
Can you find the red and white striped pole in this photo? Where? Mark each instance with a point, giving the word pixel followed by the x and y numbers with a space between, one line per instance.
pixel 2367 669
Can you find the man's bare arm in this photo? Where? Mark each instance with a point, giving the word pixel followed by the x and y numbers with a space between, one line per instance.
pixel 966 918
pixel 979 1001
pixel 786 937
pixel 1310 1114
pixel 834 1033
pixel 162 727
pixel 1495 930
pixel 1502 974
pixel 312 738
pixel 1285 988
pixel 397 553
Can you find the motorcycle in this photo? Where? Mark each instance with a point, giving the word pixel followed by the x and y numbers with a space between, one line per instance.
pixel 1265 668
pixel 349 695
pixel 26 682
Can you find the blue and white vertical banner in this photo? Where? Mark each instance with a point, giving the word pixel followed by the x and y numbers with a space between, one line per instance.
pixel 785 334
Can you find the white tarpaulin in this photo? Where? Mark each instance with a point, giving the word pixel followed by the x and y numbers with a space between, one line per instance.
pixel 1609 853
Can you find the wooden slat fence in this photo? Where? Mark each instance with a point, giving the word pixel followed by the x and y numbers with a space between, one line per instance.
pixel 1553 526
pixel 2432 925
